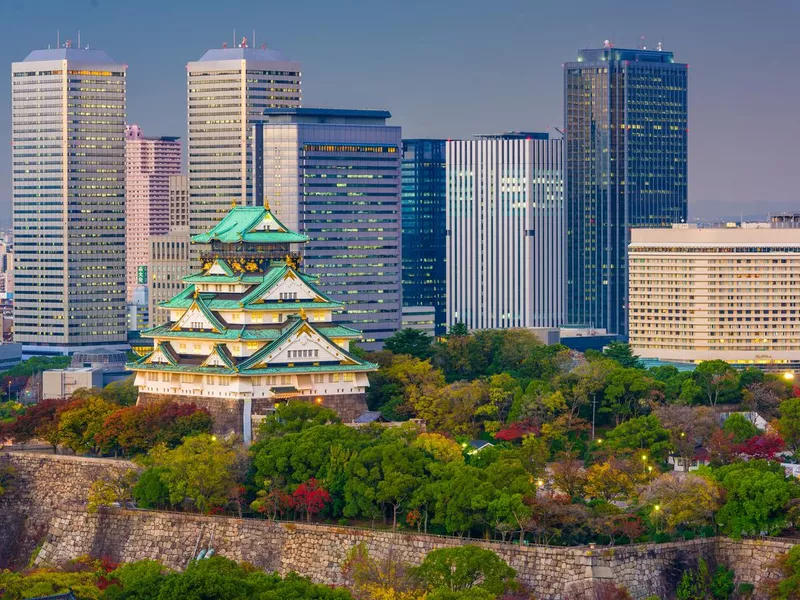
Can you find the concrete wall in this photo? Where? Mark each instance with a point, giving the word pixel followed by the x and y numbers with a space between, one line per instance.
pixel 50 508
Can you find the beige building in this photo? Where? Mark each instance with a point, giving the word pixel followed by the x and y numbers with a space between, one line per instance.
pixel 729 293
pixel 168 261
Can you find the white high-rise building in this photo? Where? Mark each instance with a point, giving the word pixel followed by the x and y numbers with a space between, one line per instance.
pixel 228 90
pixel 505 232
pixel 68 177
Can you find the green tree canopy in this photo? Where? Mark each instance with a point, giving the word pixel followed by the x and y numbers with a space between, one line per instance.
pixel 413 342
pixel 293 417
pixel 740 426
pixel 464 567
pixel 623 354
pixel 639 433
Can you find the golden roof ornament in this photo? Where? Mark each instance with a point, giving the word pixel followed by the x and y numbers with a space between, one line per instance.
pixel 233 203
pixel 196 293
pixel 303 313
pixel 266 203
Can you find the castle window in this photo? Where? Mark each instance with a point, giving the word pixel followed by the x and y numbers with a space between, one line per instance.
pixel 319 378
pixel 252 345
pixel 286 379
pixel 348 377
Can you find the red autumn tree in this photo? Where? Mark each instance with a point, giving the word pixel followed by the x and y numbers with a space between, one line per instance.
pixel 310 498
pixel 516 431
pixel 38 421
pixel 762 446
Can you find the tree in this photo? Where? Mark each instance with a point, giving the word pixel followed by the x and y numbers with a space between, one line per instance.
pixel 788 587
pixel 150 490
pixel 439 447
pixel 607 482
pixel 39 420
pixel 310 498
pixel 623 354
pixel 740 426
pixel 626 392
pixel 761 446
pixel 569 476
pixel 789 423
pixel 379 579
pixel 688 426
pixel 136 429
pixel 293 417
pixel 116 488
pixel 534 454
pixel 762 397
pixel 81 424
pixel 458 329
pixel 717 379
pixel 756 494
pixel 452 408
pixel 460 497
pixel 637 434
pixel 687 501
pixel 413 342
pixel 464 567
pixel 7 475
pixel 701 584
pixel 202 469
pixel 553 516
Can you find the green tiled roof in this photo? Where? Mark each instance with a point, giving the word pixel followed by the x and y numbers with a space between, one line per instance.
pixel 241 278
pixel 243 332
pixel 239 224
pixel 201 305
pixel 362 367
pixel 247 365
pixel 222 353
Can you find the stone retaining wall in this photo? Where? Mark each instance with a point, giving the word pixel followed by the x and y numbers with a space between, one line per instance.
pixel 49 506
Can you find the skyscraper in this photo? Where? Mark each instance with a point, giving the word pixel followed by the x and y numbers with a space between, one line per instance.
pixel 228 89
pixel 149 163
pixel 169 256
pixel 424 227
pixel 505 231
pixel 334 176
pixel 625 115
pixel 68 136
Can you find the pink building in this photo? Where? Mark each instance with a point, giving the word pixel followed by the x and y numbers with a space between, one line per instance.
pixel 149 162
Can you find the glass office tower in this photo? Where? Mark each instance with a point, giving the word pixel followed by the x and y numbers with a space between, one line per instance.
pixel 424 189
pixel 334 175
pixel 625 115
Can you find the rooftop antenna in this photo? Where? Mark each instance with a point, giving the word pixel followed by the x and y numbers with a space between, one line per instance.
pixel 234 38
pixel 659 47
pixel 58 38
pixel 79 38
pixel 641 43
pixel 254 38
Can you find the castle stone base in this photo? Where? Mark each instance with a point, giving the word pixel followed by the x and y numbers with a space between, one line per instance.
pixel 228 413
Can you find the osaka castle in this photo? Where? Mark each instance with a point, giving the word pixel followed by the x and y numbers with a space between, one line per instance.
pixel 251 331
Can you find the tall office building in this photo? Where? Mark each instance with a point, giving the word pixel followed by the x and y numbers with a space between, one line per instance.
pixel 424 227
pixel 334 176
pixel 169 254
pixel 625 115
pixel 707 293
pixel 229 88
pixel 505 232
pixel 68 177
pixel 149 163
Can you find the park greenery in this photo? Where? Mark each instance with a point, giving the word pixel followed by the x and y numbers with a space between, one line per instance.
pixel 581 447
pixel 463 573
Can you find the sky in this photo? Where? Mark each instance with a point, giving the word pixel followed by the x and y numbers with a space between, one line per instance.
pixel 454 68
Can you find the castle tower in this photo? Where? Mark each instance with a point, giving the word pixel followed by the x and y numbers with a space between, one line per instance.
pixel 251 331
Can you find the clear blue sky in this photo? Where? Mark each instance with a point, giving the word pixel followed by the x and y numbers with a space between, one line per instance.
pixel 452 68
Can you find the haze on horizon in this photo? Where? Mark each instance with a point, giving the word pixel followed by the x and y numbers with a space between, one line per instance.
pixel 454 69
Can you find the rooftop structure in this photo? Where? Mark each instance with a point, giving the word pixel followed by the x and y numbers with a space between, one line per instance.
pixel 251 330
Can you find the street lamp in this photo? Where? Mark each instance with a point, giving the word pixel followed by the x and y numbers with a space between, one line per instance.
pixel 788 376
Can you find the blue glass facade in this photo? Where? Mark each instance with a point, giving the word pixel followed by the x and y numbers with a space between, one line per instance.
pixel 625 115
pixel 424 226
